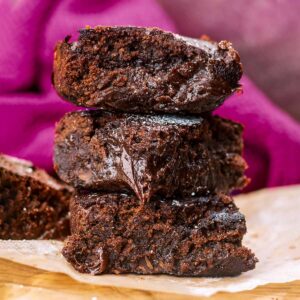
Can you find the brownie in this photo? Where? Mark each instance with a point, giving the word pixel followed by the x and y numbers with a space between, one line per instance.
pixel 162 155
pixel 33 205
pixel 145 70
pixel 197 236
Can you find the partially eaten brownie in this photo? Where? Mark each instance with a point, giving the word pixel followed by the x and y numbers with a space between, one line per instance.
pixel 145 70
pixel 33 205
pixel 195 236
pixel 153 155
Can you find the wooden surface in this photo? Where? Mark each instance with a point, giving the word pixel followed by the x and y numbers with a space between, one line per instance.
pixel 23 282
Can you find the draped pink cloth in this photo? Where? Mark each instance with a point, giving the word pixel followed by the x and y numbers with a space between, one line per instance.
pixel 29 107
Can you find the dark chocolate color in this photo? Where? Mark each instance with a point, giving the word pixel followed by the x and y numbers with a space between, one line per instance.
pixel 151 155
pixel 195 236
pixel 145 70
pixel 33 205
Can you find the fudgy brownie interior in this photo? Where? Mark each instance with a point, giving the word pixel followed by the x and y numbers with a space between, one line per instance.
pixel 195 236
pixel 154 156
pixel 145 70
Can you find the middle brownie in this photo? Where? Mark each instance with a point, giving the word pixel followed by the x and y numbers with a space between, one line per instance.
pixel 159 155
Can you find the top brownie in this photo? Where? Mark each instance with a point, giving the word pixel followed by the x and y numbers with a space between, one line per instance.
pixel 145 70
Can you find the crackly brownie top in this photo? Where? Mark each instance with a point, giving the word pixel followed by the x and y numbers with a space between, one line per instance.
pixel 145 120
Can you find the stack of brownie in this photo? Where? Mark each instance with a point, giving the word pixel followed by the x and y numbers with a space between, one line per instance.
pixel 152 167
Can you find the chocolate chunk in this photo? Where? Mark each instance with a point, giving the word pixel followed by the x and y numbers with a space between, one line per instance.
pixel 195 236
pixel 145 70
pixel 161 155
pixel 33 205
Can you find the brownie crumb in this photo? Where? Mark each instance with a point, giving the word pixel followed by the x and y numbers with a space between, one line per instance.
pixel 145 70
pixel 33 205
pixel 195 236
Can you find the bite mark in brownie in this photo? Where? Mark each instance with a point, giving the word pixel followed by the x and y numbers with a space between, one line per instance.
pixel 195 236
pixel 161 155
pixel 33 205
pixel 145 70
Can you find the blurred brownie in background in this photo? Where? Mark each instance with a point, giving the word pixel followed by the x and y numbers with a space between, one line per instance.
pixel 33 205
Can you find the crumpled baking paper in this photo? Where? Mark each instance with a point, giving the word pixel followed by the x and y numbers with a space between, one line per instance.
pixel 273 220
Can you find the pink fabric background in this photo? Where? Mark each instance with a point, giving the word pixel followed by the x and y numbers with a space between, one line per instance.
pixel 266 32
pixel 29 106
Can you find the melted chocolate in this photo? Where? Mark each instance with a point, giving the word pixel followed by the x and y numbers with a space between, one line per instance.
pixel 150 155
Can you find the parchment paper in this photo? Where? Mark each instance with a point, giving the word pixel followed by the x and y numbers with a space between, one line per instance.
pixel 273 220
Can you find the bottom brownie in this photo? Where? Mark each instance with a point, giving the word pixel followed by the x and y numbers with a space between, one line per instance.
pixel 33 205
pixel 198 236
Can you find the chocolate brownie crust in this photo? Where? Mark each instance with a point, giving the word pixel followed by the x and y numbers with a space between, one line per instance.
pixel 145 70
pixel 116 233
pixel 33 205
pixel 151 155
